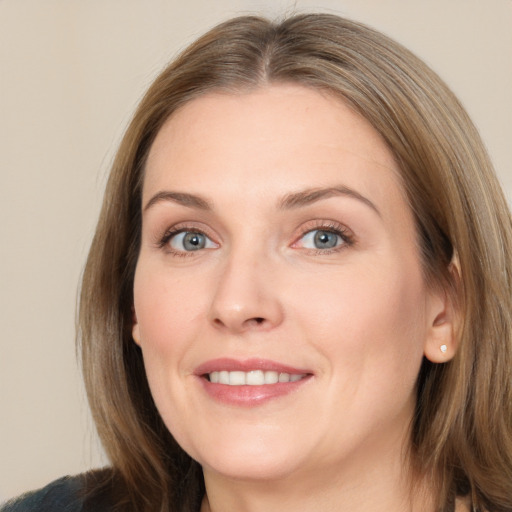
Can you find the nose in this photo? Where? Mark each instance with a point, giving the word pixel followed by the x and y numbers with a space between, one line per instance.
pixel 246 297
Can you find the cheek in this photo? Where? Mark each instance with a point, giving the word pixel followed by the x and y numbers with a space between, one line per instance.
pixel 166 311
pixel 370 323
pixel 167 307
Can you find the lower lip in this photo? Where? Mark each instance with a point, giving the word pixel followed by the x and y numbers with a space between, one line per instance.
pixel 250 396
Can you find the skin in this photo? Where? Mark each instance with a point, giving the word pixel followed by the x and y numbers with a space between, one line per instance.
pixel 359 317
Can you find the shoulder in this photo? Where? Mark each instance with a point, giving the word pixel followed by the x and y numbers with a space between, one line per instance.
pixel 62 495
pixel 89 492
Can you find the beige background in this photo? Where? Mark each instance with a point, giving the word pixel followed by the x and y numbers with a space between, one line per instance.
pixel 71 72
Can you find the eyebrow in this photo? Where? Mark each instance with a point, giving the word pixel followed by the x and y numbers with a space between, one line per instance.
pixel 308 196
pixel 182 198
pixel 288 202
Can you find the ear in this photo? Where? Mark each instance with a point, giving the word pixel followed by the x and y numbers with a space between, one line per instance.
pixel 444 319
pixel 135 327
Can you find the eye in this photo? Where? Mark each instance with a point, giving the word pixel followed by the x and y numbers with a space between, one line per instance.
pixel 188 241
pixel 320 239
pixel 325 239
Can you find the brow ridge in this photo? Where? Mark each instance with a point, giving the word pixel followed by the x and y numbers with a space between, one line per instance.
pixel 308 196
pixel 289 201
pixel 182 198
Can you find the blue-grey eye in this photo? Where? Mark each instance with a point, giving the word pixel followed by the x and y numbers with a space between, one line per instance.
pixel 321 239
pixel 190 241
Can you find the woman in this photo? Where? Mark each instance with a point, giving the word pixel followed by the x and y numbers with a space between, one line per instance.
pixel 298 294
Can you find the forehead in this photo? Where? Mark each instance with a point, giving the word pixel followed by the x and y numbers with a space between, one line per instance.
pixel 270 140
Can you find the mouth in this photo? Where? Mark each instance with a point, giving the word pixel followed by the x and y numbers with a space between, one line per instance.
pixel 249 382
pixel 252 378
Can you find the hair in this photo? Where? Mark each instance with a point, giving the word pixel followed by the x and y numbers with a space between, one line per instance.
pixel 462 430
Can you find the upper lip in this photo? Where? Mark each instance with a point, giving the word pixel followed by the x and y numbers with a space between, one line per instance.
pixel 246 365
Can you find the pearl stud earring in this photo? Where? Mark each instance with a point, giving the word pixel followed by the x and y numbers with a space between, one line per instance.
pixel 443 348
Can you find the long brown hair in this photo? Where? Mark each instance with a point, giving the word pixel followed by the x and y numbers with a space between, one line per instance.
pixel 462 431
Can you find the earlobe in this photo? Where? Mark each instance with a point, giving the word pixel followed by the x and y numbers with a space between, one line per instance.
pixel 442 340
pixel 135 327
pixel 441 343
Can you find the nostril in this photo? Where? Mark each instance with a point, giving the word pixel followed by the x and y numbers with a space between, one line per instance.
pixel 256 321
pixel 240 324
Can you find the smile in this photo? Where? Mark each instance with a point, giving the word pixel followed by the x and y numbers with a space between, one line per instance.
pixel 252 378
pixel 250 382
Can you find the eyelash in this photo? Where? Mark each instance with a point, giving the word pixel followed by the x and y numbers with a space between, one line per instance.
pixel 333 227
pixel 330 227
pixel 163 243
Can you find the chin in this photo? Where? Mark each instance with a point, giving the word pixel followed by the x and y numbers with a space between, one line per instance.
pixel 264 469
pixel 249 460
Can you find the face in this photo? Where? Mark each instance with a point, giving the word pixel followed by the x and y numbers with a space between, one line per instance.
pixel 279 298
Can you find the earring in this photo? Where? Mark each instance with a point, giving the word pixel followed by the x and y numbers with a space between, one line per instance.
pixel 443 348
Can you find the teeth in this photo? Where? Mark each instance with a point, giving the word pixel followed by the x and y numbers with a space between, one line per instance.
pixel 255 378
pixel 252 378
pixel 237 378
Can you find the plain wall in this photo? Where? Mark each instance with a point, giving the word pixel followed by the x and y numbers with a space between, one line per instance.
pixel 71 73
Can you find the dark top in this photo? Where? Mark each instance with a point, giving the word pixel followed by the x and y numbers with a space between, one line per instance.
pixel 62 495
pixel 89 492
pixel 67 495
pixel 99 490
